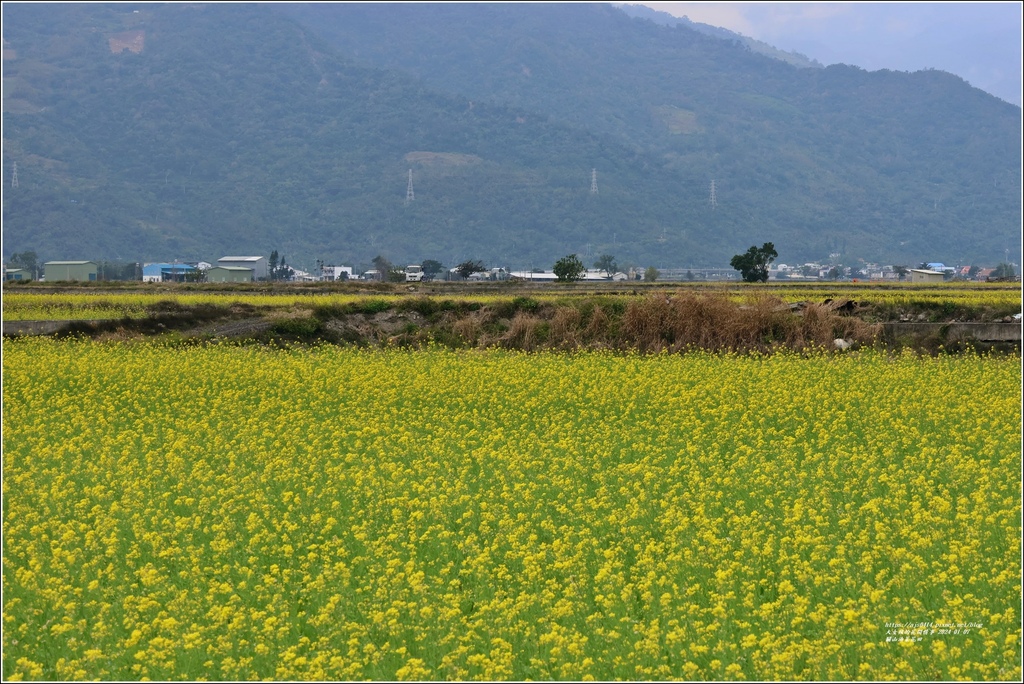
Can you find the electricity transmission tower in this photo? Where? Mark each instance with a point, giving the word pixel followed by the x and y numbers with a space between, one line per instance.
pixel 714 200
pixel 593 181
pixel 409 194
pixel 14 177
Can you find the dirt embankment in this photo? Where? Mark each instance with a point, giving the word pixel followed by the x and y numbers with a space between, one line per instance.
pixel 658 321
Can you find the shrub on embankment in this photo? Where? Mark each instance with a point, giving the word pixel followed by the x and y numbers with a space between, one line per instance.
pixel 655 323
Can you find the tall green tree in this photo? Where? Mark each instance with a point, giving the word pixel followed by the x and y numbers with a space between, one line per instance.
pixel 569 268
pixel 383 267
pixel 431 267
pixel 277 269
pixel 26 260
pixel 469 267
pixel 606 263
pixel 1004 270
pixel 284 271
pixel 753 265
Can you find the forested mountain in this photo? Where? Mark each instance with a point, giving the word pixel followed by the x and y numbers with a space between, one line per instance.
pixel 645 12
pixel 882 165
pixel 192 131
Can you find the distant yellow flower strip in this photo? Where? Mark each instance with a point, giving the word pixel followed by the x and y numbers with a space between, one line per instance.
pixel 20 306
pixel 237 512
pixel 959 293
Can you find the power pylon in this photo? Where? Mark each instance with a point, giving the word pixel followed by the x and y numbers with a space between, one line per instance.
pixel 409 194
pixel 14 177
pixel 593 181
pixel 714 200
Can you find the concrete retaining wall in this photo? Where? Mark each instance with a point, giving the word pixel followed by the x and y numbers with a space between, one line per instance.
pixel 955 332
pixel 47 327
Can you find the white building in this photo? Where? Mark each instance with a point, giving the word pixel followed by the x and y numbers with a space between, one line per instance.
pixel 336 273
pixel 541 277
pixel 258 264
pixel 549 276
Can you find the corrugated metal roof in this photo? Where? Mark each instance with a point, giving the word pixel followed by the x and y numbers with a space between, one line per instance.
pixel 68 263
pixel 155 269
pixel 241 258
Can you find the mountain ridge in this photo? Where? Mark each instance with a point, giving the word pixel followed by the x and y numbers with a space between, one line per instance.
pixel 795 58
pixel 304 147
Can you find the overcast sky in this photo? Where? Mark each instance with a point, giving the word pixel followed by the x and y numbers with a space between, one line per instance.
pixel 978 41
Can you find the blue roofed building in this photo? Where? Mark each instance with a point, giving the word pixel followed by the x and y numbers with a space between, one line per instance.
pixel 158 273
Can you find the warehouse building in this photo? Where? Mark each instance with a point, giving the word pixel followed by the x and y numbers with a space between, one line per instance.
pixel 70 270
pixel 258 264
pixel 920 275
pixel 156 273
pixel 229 274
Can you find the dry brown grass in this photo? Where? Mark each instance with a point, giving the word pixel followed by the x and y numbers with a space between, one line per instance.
pixel 716 323
pixel 670 323
pixel 564 331
pixel 468 328
pixel 524 332
pixel 598 326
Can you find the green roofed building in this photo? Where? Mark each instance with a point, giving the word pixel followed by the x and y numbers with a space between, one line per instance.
pixel 70 270
pixel 229 274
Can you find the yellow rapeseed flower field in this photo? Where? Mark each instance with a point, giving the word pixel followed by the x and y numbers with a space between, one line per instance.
pixel 236 512
pixel 22 305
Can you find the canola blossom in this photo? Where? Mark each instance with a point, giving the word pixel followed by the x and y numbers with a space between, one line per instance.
pixel 28 305
pixel 235 512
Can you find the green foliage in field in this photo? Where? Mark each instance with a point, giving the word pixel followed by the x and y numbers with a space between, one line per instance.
pixel 569 268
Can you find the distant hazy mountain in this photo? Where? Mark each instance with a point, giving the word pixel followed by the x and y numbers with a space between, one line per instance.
pixel 879 165
pixel 760 47
pixel 192 131
pixel 233 131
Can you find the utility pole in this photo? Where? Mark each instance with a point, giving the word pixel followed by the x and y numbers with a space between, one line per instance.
pixel 714 199
pixel 593 181
pixel 409 194
pixel 14 178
